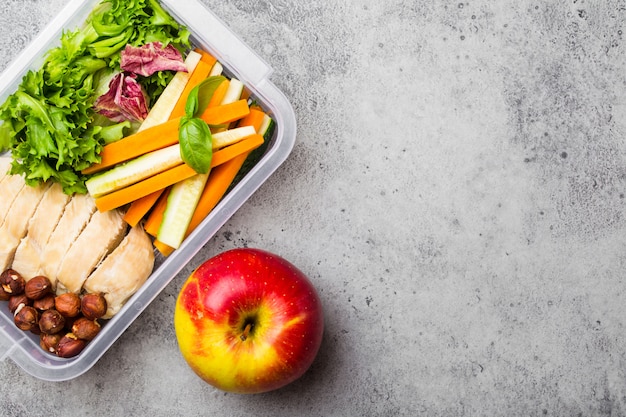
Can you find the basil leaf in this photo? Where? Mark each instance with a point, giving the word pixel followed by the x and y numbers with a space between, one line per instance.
pixel 195 144
pixel 201 95
pixel 191 106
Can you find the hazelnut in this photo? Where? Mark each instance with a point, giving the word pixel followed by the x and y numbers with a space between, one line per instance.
pixel 17 300
pixel 44 303
pixel 37 287
pixel 85 329
pixel 93 305
pixel 26 318
pixel 67 304
pixel 12 282
pixel 49 342
pixel 51 322
pixel 70 346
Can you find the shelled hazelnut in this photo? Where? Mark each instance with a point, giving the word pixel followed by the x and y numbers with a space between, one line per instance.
pixel 68 304
pixel 70 346
pixel 85 329
pixel 12 282
pixel 51 321
pixel 93 306
pixel 26 318
pixel 49 342
pixel 37 287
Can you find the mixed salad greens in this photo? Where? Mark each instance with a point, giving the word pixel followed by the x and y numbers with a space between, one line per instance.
pixel 51 124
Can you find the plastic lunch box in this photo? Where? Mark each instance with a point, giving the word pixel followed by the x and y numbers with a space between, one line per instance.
pixel 239 61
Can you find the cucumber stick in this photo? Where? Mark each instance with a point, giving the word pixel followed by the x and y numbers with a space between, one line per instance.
pixel 233 93
pixel 216 70
pixel 133 171
pixel 230 136
pixel 181 204
pixel 163 107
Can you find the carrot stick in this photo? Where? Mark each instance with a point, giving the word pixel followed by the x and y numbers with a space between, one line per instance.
pixel 206 57
pixel 226 154
pixel 143 188
pixel 147 140
pixel 139 208
pixel 219 180
pixel 225 113
pixel 200 73
pixel 219 94
pixel 153 222
pixel 254 119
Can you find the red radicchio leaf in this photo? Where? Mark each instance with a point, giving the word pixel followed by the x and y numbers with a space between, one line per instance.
pixel 125 100
pixel 152 57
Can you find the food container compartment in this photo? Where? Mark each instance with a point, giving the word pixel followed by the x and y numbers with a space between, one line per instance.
pixel 210 33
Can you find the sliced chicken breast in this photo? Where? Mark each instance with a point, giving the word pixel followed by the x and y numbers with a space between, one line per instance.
pixel 10 187
pixel 16 223
pixel 74 219
pixel 102 234
pixel 124 271
pixel 29 253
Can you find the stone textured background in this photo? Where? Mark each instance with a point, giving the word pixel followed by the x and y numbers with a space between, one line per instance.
pixel 456 193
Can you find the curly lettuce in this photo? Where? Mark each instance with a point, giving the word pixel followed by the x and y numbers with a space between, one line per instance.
pixel 49 123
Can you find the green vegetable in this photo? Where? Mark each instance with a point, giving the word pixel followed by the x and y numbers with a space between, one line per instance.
pixel 182 201
pixel 200 96
pixel 48 124
pixel 195 144
pixel 194 134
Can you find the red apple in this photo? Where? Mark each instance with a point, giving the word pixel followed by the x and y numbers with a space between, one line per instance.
pixel 248 321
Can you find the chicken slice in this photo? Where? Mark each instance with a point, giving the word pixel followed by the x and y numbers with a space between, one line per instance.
pixel 10 187
pixel 16 223
pixel 124 271
pixel 74 219
pixel 29 253
pixel 102 234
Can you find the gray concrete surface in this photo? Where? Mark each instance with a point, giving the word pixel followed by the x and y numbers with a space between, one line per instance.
pixel 456 193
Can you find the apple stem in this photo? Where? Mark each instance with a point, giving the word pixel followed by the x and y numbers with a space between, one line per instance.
pixel 246 332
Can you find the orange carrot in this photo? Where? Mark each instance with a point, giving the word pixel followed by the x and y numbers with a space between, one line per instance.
pixel 132 146
pixel 225 113
pixel 153 222
pixel 198 75
pixel 143 188
pixel 226 154
pixel 139 208
pixel 254 119
pixel 219 94
pixel 206 57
